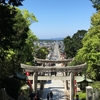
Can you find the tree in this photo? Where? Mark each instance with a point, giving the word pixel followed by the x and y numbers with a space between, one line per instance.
pixel 77 39
pixel 29 49
pixel 15 37
pixel 6 16
pixel 42 52
pixel 68 42
pixel 29 17
pixel 72 45
pixel 12 2
pixel 96 4
pixel 96 1
pixel 90 52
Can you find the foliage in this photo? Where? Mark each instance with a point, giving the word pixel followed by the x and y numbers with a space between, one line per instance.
pixel 68 42
pixel 96 85
pixel 73 44
pixel 13 35
pixel 77 39
pixel 12 2
pixel 29 49
pixel 7 15
pixel 42 52
pixel 29 17
pixel 16 40
pixel 82 95
pixel 96 4
pixel 90 52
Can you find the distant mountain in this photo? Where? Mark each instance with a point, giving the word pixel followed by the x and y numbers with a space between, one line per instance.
pixel 56 39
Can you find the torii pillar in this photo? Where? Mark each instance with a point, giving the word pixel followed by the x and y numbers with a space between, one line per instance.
pixel 42 81
pixel 66 81
pixel 34 85
pixel 71 86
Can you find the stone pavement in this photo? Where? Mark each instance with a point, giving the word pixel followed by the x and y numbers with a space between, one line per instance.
pixel 57 87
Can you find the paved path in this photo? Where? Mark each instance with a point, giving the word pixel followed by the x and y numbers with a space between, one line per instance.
pixel 57 87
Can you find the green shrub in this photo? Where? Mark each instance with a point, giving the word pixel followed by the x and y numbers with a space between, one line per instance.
pixel 82 95
pixel 96 84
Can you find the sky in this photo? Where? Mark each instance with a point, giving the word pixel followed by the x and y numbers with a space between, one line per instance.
pixel 59 18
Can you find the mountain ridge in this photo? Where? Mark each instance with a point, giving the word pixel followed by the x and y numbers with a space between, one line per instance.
pixel 53 39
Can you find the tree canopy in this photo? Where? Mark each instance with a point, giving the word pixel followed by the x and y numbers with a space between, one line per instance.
pixel 16 39
pixel 42 52
pixel 90 52
pixel 96 4
pixel 74 43
pixel 12 2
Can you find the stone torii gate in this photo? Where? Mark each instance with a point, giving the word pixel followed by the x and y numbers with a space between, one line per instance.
pixel 70 69
pixel 43 61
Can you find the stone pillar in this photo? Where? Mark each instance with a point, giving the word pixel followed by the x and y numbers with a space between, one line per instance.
pixel 41 83
pixel 94 97
pixel 71 86
pixel 89 93
pixel 65 81
pixel 66 84
pixel 48 72
pixel 64 74
pixel 97 94
pixel 43 65
pixel 34 85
